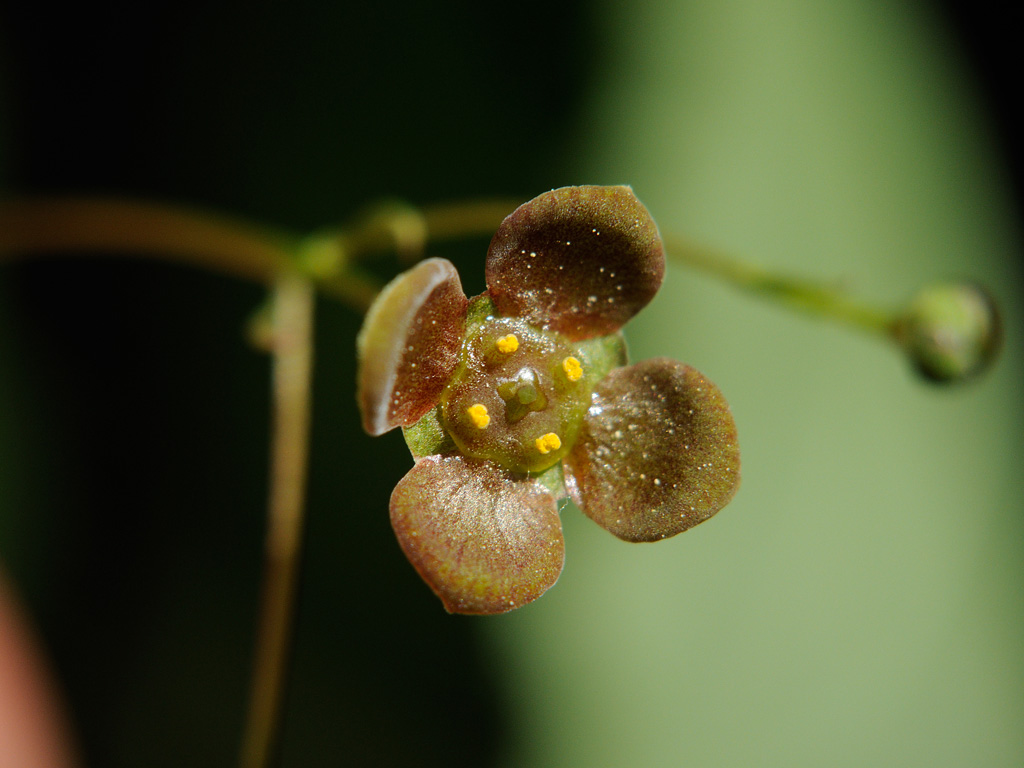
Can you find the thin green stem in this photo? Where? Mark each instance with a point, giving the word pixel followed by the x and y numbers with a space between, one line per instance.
pixel 812 297
pixel 292 348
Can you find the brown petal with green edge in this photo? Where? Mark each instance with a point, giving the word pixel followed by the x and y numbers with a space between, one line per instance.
pixel 485 540
pixel 409 345
pixel 657 454
pixel 579 260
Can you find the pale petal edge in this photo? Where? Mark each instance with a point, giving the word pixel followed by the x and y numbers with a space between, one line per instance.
pixel 409 345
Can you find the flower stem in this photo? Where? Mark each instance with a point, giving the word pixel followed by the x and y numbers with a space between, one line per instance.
pixel 805 295
pixel 130 228
pixel 394 226
pixel 124 227
pixel 292 349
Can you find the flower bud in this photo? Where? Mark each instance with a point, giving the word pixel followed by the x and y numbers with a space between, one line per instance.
pixel 952 331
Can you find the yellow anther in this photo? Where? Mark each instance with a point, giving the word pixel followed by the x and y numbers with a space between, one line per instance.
pixel 479 416
pixel 573 369
pixel 507 344
pixel 548 443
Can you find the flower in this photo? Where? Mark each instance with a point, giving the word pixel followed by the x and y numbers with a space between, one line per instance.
pixel 521 397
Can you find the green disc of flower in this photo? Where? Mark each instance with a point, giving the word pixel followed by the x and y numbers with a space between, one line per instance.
pixel 519 394
pixel 579 260
pixel 657 453
pixel 409 345
pixel 485 540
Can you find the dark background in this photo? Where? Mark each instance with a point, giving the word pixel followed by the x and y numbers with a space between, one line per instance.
pixel 136 458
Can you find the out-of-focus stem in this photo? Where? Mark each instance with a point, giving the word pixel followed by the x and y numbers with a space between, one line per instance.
pixel 292 349
pixel 128 228
pixel 393 226
pixel 124 227
pixel 455 220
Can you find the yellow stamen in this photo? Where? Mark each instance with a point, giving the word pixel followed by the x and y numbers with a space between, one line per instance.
pixel 479 416
pixel 573 369
pixel 548 443
pixel 507 344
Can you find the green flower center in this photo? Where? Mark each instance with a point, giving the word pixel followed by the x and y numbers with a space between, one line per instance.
pixel 517 397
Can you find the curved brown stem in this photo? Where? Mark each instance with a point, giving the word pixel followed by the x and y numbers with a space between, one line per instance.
pixel 125 227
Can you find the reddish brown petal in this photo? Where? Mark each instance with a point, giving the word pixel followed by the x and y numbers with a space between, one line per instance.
pixel 409 345
pixel 580 260
pixel 657 453
pixel 484 540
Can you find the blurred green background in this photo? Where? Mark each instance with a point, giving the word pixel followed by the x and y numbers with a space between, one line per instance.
pixel 861 602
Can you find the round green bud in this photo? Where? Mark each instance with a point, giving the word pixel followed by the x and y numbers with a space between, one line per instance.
pixel 951 331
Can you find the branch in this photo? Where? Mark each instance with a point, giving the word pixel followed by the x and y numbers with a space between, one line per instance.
pixel 292 349
pixel 130 228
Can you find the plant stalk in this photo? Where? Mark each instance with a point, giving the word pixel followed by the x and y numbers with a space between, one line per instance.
pixel 292 349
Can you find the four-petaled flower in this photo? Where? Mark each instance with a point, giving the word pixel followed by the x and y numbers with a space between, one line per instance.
pixel 519 397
